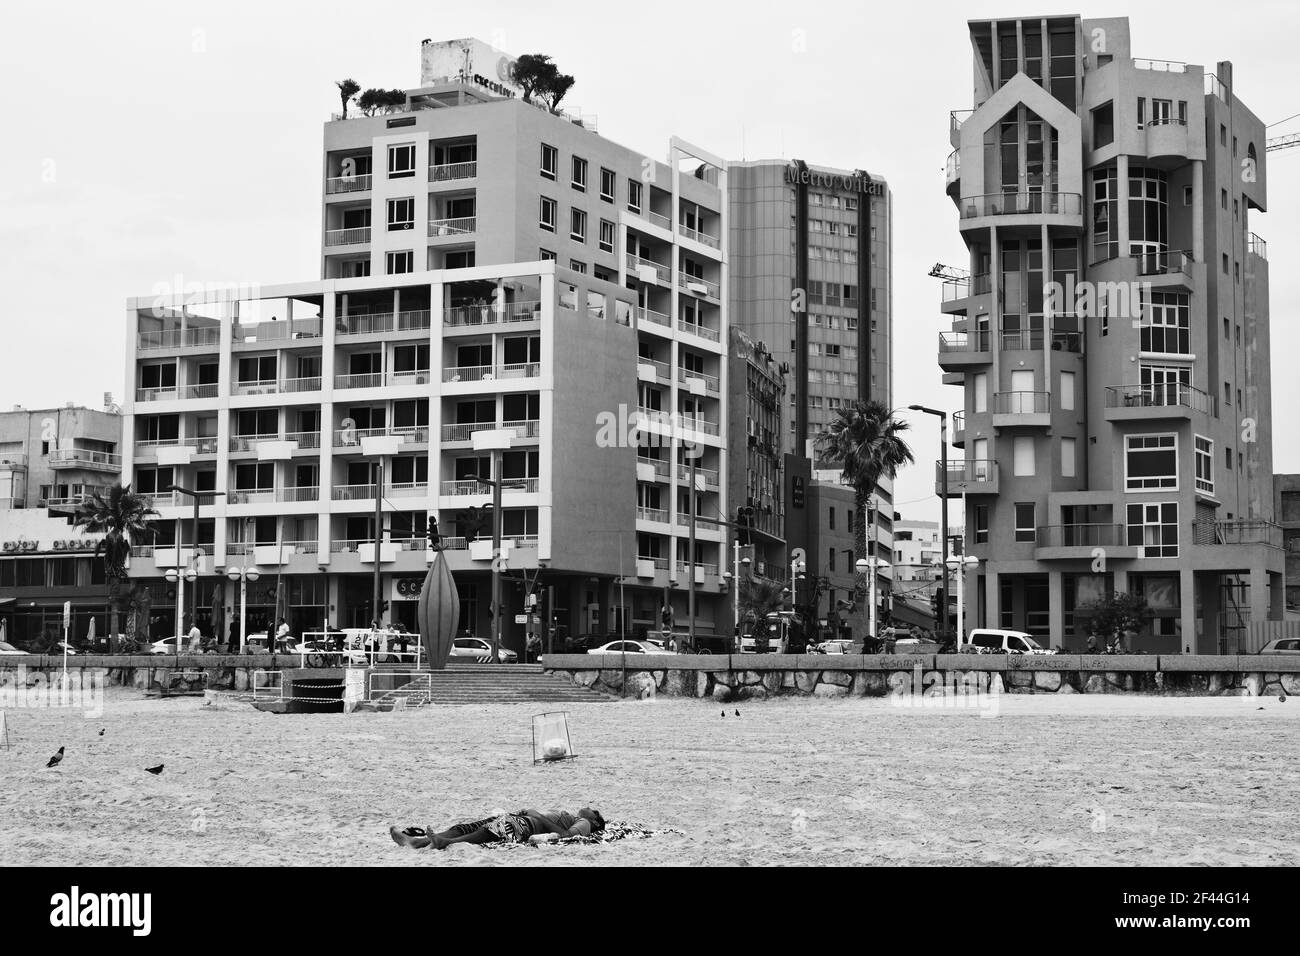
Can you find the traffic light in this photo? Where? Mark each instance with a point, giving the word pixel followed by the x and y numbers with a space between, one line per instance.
pixel 744 520
pixel 434 538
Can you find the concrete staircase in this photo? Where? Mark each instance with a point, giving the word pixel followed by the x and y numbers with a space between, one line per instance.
pixel 486 684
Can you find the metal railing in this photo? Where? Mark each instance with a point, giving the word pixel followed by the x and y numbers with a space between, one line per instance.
pixel 952 168
pixel 259 386
pixel 954 289
pixel 703 238
pixel 369 324
pixel 304 439
pixel 1214 87
pixel 969 471
pixel 301 493
pixel 347 237
pixel 652 514
pixel 452 227
pixel 76 457
pixel 663 272
pixel 1102 535
pixel 977 341
pixel 662 468
pixel 709 475
pixel 408 489
pixel 698 328
pixel 360 380
pixel 1165 121
pixel 1166 395
pixel 1021 340
pixel 274 330
pixel 1160 66
pixel 463 431
pixel 1237 531
pixel 353 492
pixel 1167 262
pixel 488 314
pixel 1022 403
pixel 1028 203
pixel 1067 340
pixel 958 422
pixel 711 382
pixel 685 281
pixel 1257 246
pixel 247 442
pixel 250 496
pixel 158 394
pixel 662 369
pixel 702 522
pixel 307 384
pixel 650 315
pixel 415 376
pixel 659 220
pixel 956 118
pixel 519 370
pixel 348 184
pixel 177 339
pixel 448 172
pixel 710 570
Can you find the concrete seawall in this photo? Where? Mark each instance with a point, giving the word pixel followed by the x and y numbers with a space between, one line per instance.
pixel 751 676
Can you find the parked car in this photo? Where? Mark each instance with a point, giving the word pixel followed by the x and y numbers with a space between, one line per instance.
pixel 58 648
pixel 834 647
pixel 628 647
pixel 9 649
pixel 996 641
pixel 1282 645
pixel 481 650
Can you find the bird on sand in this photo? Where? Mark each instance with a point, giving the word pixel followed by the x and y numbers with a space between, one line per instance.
pixel 101 733
pixel 154 770
pixel 724 713
pixel 737 713
pixel 55 760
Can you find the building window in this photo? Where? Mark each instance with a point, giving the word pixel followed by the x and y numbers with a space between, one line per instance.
pixel 1227 393
pixel 1067 458
pixel 1103 124
pixel 830 518
pixel 1022 456
pixel 577 225
pixel 1227 458
pixel 1223 135
pixel 579 174
pixel 1226 327
pixel 1187 195
pixel 1154 528
pixel 1168 325
pixel 546 255
pixel 607 184
pixel 550 161
pixel 981 524
pixel 397 263
pixel 1150 462
pixel 1024 521
pixel 1105 214
pixel 578 266
pixel 1225 263
pixel 830 560
pixel 401 213
pixel 546 218
pixel 1223 199
pixel 1204 465
pixel 1067 391
pixel 634 195
pixel 401 161
pixel 606 236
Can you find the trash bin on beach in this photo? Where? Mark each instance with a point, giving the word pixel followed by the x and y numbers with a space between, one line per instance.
pixel 551 739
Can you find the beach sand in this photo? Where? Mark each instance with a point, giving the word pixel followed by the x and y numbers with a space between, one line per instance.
pixel 1051 780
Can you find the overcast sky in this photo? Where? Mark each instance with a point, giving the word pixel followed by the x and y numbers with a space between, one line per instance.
pixel 147 141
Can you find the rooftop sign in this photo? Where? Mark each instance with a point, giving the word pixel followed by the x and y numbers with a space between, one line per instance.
pixel 853 184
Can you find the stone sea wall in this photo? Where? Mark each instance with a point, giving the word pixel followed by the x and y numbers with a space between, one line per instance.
pixel 749 677
pixel 160 674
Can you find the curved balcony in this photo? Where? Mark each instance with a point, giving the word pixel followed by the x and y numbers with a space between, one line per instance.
pixel 1029 209
pixel 1022 410
pixel 975 476
pixel 962 350
pixel 1152 402
pixel 952 175
pixel 1167 138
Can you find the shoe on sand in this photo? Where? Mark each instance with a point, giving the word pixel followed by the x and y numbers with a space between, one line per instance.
pixel 413 837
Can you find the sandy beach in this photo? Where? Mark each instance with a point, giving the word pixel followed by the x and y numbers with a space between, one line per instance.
pixel 1077 779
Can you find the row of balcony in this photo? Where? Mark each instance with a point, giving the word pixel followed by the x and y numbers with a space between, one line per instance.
pixel 438 173
pixel 344 437
pixel 1010 340
pixel 663 469
pixel 362 492
pixel 437 228
pixel 1023 203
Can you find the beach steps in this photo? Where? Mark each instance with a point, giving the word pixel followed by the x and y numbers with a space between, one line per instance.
pixel 486 684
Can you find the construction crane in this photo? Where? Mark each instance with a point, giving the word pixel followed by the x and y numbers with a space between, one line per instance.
pixel 1282 142
pixel 951 273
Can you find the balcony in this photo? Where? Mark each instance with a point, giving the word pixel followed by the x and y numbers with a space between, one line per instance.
pixel 659 515
pixel 348 184
pixel 644 315
pixel 703 238
pixel 352 437
pixel 1152 402
pixel 243 443
pixel 952 174
pixel 265 386
pixel 82 458
pixel 408 489
pixel 1077 541
pixel 959 290
pixel 975 476
pixel 961 350
pixel 470 487
pixel 311 383
pixel 1256 246
pixel 177 339
pixel 275 331
pixel 1020 340
pixel 1022 410
pixel 359 380
pixel 653 370
pixel 453 172
pixel 1164 263
pixel 442 228
pixel 465 374
pixel 12 461
pixel 353 492
pixel 652 469
pixel 955 120
pixel 160 394
pixel 707 383
pixel 349 325
pixel 1067 340
pixel 347 237
pixel 698 328
pixel 1030 207
pixel 523 430
pixel 959 429
pixel 707 476
pixel 305 440
pixel 300 493
pixel 1167 138
pixel 662 273
pixel 697 285
pixel 251 496
pixel 1237 532
pixel 529 310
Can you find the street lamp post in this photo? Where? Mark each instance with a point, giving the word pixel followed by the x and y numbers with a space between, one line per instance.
pixel 243 576
pixel 194 560
pixel 498 560
pixel 943 472
pixel 868 566
pixel 960 563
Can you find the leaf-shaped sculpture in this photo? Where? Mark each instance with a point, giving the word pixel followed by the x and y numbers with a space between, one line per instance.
pixel 438 612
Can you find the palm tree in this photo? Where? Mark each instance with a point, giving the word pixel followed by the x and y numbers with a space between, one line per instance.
pixel 123 518
pixel 347 89
pixel 866 442
pixel 759 597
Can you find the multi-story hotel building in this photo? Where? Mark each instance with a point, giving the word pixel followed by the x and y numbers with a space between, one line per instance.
pixel 1119 442
pixel 557 290
pixel 811 277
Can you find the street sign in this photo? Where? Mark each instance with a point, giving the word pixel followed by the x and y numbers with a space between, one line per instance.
pixel 797 554
pixel 67 614
pixel 521 618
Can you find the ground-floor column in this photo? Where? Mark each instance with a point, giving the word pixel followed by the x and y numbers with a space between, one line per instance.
pixel 1259 602
pixel 1207 638
pixel 1187 610
pixel 1056 608
pixel 1276 597
pixel 992 609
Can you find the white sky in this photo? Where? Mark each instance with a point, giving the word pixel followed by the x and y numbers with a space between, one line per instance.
pixel 148 141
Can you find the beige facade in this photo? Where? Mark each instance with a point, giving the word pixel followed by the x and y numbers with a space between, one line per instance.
pixel 1111 342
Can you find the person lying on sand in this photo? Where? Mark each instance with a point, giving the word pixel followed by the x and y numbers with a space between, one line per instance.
pixel 508 828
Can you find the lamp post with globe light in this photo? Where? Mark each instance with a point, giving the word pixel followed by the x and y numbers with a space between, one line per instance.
pixel 960 563
pixel 243 576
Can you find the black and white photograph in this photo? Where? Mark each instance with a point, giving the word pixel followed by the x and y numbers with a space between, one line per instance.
pixel 695 436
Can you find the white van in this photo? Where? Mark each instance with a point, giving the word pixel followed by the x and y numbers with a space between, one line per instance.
pixel 993 641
